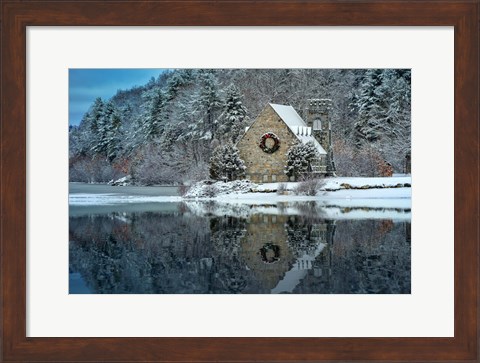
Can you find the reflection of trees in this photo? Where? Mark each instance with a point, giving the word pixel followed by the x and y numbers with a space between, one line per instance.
pixel 305 234
pixel 159 253
pixel 231 274
pixel 367 256
pixel 152 252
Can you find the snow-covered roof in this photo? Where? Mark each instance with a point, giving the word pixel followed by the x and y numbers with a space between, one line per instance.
pixel 299 128
pixel 288 115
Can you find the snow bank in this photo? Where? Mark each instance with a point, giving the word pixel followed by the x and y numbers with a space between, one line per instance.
pixel 330 185
pixel 126 180
pixel 209 189
pixel 333 184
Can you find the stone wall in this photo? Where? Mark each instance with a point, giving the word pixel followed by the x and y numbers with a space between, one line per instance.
pixel 263 167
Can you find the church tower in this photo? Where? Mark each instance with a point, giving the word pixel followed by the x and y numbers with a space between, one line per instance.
pixel 318 117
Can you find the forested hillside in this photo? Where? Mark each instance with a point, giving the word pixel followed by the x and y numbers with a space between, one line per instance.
pixel 164 132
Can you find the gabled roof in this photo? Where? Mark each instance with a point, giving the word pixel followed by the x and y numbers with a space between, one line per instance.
pixel 295 123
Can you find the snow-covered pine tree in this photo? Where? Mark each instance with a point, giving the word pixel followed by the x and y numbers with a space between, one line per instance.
pixel 383 106
pixel 397 143
pixel 108 139
pixel 94 121
pixel 234 114
pixel 96 114
pixel 300 158
pixel 114 136
pixel 156 116
pixel 225 163
pixel 371 108
pixel 80 137
pixel 208 102
pixel 179 79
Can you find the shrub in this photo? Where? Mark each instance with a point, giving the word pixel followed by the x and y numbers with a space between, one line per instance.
pixel 210 191
pixel 309 187
pixel 282 188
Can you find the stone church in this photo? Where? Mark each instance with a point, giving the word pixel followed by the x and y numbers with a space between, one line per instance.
pixel 265 144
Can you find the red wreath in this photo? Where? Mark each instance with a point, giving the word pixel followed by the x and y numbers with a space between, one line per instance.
pixel 265 148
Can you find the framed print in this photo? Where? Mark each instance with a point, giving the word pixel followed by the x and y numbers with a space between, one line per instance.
pixel 300 217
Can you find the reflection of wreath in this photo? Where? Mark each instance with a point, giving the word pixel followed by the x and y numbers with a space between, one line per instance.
pixel 276 143
pixel 270 247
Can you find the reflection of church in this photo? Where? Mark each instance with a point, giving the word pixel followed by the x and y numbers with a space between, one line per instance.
pixel 280 250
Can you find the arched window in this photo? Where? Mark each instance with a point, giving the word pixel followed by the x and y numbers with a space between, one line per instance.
pixel 317 124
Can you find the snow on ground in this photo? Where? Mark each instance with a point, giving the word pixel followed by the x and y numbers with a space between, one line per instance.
pixel 332 184
pixel 208 189
pixel 392 193
pixel 126 180
pixel 338 194
pixel 350 188
pixel 367 183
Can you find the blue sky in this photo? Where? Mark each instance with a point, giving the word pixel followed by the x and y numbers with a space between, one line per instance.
pixel 87 84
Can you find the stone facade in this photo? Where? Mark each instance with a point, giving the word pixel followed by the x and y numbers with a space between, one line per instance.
pixel 261 166
pixel 264 167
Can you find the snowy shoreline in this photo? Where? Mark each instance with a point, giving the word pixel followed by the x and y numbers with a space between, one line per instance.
pixel 356 183
pixel 392 193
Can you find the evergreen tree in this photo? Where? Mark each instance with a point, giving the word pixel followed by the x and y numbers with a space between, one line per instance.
pixel 95 115
pixel 225 163
pixel 371 108
pixel 234 116
pixel 156 116
pixel 114 136
pixel 208 102
pixel 383 106
pixel 108 138
pixel 94 121
pixel 300 158
pixel 179 79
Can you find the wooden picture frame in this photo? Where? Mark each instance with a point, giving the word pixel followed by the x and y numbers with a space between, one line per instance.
pixel 18 15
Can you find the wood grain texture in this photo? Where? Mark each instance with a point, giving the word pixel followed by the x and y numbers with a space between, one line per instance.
pixel 17 15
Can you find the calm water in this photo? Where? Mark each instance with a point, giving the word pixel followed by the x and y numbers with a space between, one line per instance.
pixel 207 248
